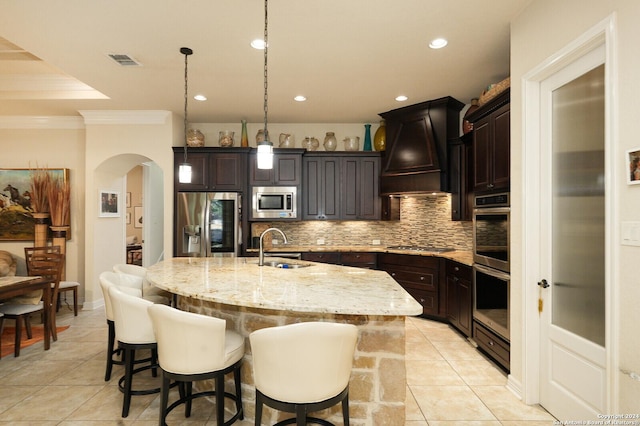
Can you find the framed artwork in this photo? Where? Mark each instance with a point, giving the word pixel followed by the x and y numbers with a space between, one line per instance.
pixel 109 203
pixel 128 199
pixel 137 217
pixel 16 214
pixel 633 161
pixel 128 216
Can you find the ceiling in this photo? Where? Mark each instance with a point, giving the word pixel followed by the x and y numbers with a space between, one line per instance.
pixel 350 58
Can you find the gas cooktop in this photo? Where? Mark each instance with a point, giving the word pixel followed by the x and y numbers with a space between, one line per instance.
pixel 422 248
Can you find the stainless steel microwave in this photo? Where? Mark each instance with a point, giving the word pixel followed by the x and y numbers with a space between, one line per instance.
pixel 274 202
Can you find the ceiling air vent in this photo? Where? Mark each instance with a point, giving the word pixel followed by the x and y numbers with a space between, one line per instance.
pixel 124 60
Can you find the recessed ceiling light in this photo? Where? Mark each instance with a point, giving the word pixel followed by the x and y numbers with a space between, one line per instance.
pixel 438 43
pixel 401 98
pixel 300 98
pixel 258 44
pixel 200 97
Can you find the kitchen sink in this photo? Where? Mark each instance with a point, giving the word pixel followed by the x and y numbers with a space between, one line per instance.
pixel 286 265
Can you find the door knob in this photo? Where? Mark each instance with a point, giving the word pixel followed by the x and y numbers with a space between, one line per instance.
pixel 543 283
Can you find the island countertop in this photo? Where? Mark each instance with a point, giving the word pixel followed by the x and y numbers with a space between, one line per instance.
pixel 318 288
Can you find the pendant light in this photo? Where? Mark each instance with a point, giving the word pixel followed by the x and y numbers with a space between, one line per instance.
pixel 184 170
pixel 265 148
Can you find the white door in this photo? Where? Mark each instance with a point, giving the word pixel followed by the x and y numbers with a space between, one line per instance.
pixel 573 379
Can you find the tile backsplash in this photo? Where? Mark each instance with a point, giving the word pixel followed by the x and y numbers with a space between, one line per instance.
pixel 424 221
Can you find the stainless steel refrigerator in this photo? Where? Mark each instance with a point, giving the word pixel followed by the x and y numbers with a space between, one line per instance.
pixel 208 224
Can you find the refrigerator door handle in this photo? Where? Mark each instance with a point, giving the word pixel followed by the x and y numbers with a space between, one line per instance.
pixel 206 234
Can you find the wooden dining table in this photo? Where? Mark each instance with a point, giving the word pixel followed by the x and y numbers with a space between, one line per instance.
pixel 16 286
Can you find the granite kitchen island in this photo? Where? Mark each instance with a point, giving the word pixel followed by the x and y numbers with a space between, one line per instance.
pixel 250 297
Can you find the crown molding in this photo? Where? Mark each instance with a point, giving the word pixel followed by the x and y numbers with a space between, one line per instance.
pixel 40 122
pixel 125 117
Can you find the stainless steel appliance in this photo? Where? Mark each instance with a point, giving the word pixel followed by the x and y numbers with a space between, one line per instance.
pixel 491 299
pixel 208 224
pixel 274 202
pixel 491 232
pixel 491 280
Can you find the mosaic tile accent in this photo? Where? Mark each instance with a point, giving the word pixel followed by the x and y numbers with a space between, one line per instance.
pixel 424 221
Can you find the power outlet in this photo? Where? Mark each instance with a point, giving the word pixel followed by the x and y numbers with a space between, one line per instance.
pixel 320 241
pixel 376 242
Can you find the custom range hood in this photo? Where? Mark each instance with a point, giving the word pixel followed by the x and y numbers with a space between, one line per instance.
pixel 416 160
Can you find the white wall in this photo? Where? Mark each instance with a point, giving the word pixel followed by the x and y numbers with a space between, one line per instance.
pixel 30 142
pixel 542 29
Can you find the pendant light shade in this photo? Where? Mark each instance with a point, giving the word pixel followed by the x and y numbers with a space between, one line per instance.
pixel 265 148
pixel 184 170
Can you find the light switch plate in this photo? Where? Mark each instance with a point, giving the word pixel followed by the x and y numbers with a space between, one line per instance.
pixel 320 241
pixel 376 242
pixel 630 233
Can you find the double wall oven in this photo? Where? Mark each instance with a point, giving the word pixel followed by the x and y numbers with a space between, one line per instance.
pixel 491 257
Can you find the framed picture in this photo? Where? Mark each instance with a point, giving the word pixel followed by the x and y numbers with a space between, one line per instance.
pixel 128 216
pixel 16 213
pixel 128 199
pixel 137 217
pixel 109 203
pixel 633 161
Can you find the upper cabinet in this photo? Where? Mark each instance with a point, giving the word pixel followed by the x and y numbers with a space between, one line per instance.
pixel 491 145
pixel 212 169
pixel 341 186
pixel 416 157
pixel 287 169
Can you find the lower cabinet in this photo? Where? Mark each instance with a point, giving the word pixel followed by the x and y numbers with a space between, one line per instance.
pixel 357 259
pixel 459 296
pixel 420 277
pixel 489 343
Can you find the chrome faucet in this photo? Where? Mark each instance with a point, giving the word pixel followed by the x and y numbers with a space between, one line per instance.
pixel 261 255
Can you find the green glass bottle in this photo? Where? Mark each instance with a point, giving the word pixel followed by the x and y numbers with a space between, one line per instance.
pixel 367 138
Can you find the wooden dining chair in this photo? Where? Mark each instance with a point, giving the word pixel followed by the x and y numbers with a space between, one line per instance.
pixel 48 266
pixel 64 284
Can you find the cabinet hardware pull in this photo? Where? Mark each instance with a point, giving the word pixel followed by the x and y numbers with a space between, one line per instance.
pixel 491 343
pixel 421 278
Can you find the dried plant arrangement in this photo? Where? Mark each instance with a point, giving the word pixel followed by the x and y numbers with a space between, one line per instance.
pixel 39 190
pixel 59 193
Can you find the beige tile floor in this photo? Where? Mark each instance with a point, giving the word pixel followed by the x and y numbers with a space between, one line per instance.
pixel 449 383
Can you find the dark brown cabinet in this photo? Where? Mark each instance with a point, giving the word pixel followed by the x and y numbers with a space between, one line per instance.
pixel 357 259
pixel 489 343
pixel 213 169
pixel 341 186
pixel 491 144
pixel 287 169
pixel 321 187
pixel 459 296
pixel 460 178
pixel 420 277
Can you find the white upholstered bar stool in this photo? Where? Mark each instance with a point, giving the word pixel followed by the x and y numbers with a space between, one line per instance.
pixel 134 331
pixel 149 291
pixel 193 347
pixel 302 368
pixel 131 286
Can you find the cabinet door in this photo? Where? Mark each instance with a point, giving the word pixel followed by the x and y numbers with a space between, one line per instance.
pixel 286 171
pixel 501 144
pixel 199 172
pixel 227 172
pixel 321 190
pixel 360 188
pixel 481 155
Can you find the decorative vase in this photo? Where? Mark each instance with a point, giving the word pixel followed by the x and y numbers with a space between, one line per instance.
pixel 380 138
pixel 195 138
pixel 351 143
pixel 467 126
pixel 310 143
pixel 330 142
pixel 260 136
pixel 225 138
pixel 40 234
pixel 367 138
pixel 244 138
pixel 60 239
